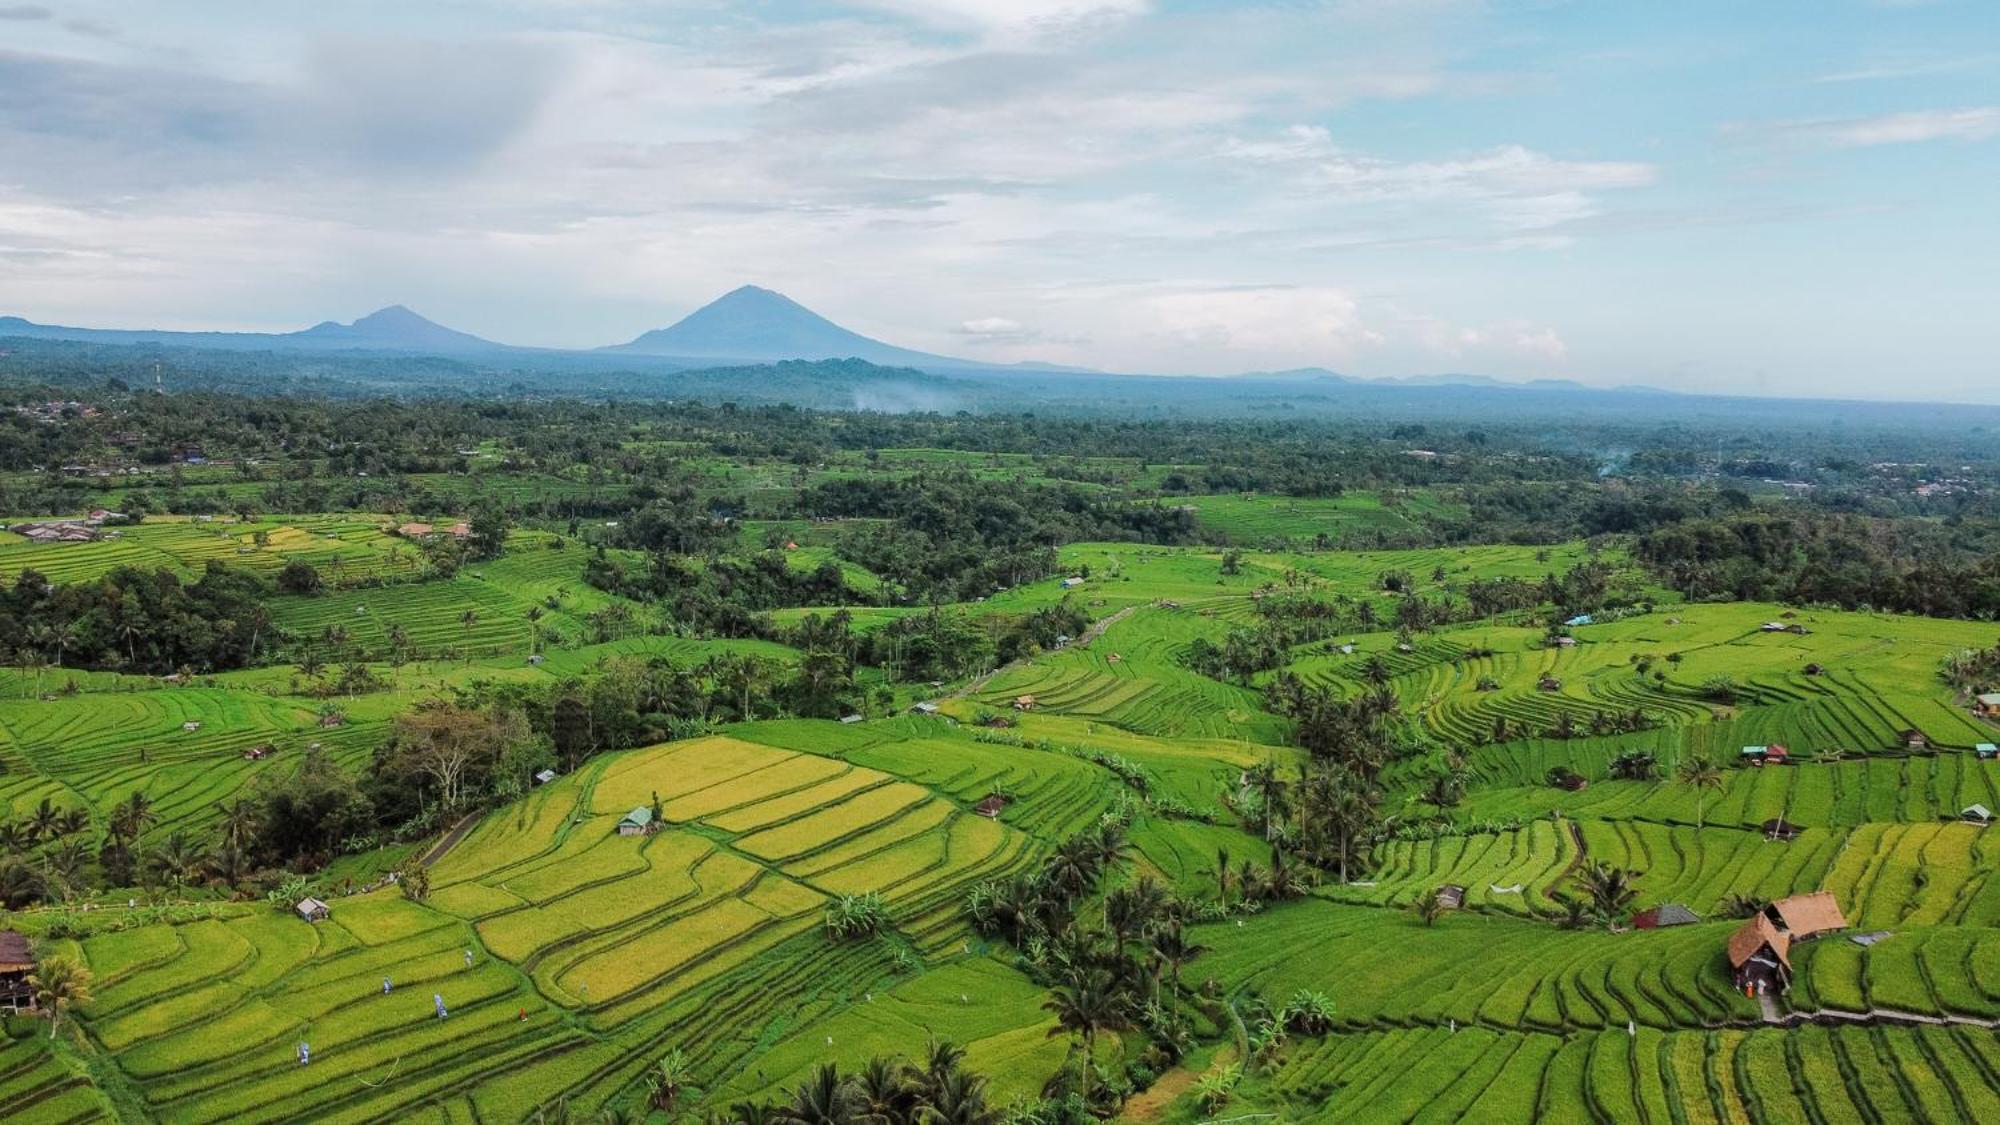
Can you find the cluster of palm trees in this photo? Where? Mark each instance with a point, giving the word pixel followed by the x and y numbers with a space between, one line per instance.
pixel 1107 970
pixel 936 1090
pixel 1607 893
pixel 47 856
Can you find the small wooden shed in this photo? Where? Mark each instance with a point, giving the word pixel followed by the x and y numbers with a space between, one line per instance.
pixel 313 910
pixel 638 822
pixel 16 962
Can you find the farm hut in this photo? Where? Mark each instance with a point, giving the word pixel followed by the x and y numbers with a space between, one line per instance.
pixel 535 659
pixel 191 726
pixel 313 910
pixel 1987 750
pixel 1754 755
pixel 16 962
pixel 1451 896
pixel 925 708
pixel 1805 917
pixel 1347 650
pixel 1071 583
pixel 991 806
pixel 1573 782
pixel 638 822
pixel 1565 642
pixel 791 545
pixel 1664 915
pixel 1914 739
pixel 1813 669
pixel 545 776
pixel 1405 646
pixel 1977 814
pixel 1987 704
pixel 850 718
pixel 1580 619
pixel 1024 703
pixel 257 753
pixel 1772 627
pixel 1760 956
pixel 415 531
pixel 1777 754
pixel 1778 828
pixel 1549 683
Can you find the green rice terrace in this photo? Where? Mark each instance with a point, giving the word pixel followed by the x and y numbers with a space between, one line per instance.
pixel 1148 862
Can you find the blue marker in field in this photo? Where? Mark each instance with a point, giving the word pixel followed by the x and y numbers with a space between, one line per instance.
pixel 385 986
pixel 438 999
pixel 305 1053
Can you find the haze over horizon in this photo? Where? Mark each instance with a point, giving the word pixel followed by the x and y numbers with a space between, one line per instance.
pixel 1791 200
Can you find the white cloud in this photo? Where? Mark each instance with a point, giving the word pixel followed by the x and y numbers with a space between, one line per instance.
pixel 1975 124
pixel 1013 19
pixel 1972 123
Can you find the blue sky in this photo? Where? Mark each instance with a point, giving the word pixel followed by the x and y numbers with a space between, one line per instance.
pixel 1774 197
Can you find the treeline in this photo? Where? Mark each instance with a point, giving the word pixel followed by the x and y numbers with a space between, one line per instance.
pixel 1854 562
pixel 133 620
pixel 955 537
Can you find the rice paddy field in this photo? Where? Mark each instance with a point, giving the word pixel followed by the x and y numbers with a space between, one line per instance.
pixel 572 957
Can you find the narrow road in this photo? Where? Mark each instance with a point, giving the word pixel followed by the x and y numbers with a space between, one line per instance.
pixel 450 840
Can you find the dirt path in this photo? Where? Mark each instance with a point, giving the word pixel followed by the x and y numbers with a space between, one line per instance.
pixel 450 840
pixel 1095 630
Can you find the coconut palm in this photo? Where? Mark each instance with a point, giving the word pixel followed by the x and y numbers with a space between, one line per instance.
pixel 60 983
pixel 1429 907
pixel 1085 1006
pixel 666 1080
pixel 959 1100
pixel 42 822
pixel 1274 795
pixel 823 1099
pixel 1612 889
pixel 1171 951
pixel 884 1089
pixel 1703 776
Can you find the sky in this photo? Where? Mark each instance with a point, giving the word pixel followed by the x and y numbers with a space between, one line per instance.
pixel 1770 198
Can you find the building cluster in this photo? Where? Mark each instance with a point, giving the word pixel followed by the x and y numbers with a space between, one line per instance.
pixel 89 529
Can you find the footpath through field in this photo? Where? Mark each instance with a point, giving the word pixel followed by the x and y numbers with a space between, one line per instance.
pixel 451 839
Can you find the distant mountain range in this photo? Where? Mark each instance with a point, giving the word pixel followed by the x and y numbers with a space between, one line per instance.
pixel 747 325
pixel 394 329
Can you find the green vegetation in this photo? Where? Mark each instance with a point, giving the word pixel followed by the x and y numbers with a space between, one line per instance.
pixel 731 757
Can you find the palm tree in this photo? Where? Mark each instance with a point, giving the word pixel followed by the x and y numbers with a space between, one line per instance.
pixel 42 822
pixel 666 1080
pixel 230 864
pixel 1573 913
pixel 1087 1005
pixel 884 1090
pixel 942 1058
pixel 1274 795
pixel 178 858
pixel 1110 847
pixel 823 1099
pixel 239 823
pixel 960 1100
pixel 1172 951
pixel 60 983
pixel 753 1113
pixel 1703 775
pixel 1429 907
pixel 1612 890
pixel 1222 874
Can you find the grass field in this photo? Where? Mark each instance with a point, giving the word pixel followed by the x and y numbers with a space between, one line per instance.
pixel 593 954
